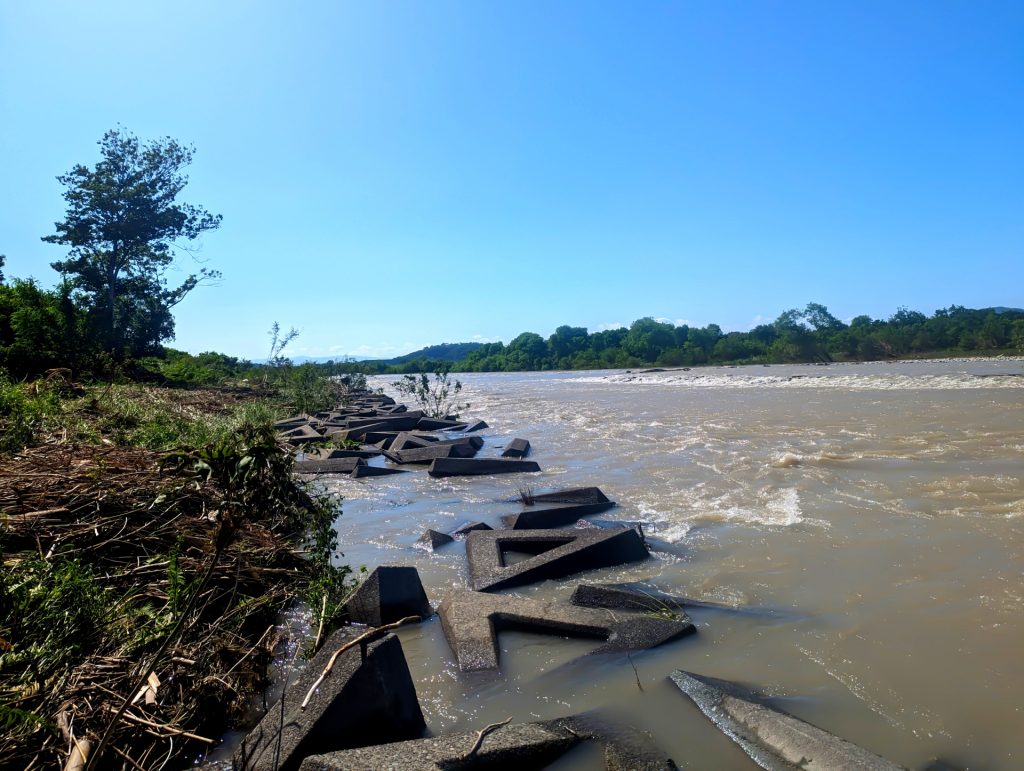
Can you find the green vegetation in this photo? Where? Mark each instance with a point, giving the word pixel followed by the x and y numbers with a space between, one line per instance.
pixel 150 528
pixel 438 398
pixel 810 334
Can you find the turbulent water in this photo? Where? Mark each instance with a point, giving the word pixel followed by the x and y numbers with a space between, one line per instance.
pixel 876 510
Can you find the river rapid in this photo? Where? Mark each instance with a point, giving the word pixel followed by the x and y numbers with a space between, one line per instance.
pixel 871 514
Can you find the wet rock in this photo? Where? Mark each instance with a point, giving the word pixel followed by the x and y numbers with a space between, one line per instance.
pixel 522 746
pixel 388 594
pixel 432 539
pixel 535 519
pixel 556 553
pixel 332 466
pixel 575 495
pixel 368 698
pixel 517 448
pixel 361 472
pixel 478 425
pixel 774 739
pixel 455 467
pixel 472 620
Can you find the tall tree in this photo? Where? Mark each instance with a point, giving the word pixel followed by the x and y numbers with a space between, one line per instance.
pixel 124 225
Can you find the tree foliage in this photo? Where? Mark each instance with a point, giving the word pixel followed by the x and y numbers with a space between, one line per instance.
pixel 124 225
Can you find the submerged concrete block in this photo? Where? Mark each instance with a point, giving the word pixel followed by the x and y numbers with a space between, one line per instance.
pixel 625 747
pixel 522 746
pixel 774 739
pixel 439 424
pixel 327 453
pixel 574 495
pixel 388 594
pixel 422 455
pixel 359 472
pixel 537 519
pixel 332 466
pixel 433 539
pixel 455 467
pixel 557 553
pixel 478 425
pixel 362 701
pixel 468 527
pixel 517 448
pixel 641 598
pixel 472 620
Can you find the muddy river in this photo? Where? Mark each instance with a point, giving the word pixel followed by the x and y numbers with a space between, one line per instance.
pixel 870 517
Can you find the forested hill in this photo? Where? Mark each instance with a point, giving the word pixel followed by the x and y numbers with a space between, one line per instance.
pixel 799 335
pixel 443 352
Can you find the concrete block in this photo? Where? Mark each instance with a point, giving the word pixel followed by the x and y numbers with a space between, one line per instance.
pixel 557 553
pixel 439 424
pixel 333 466
pixel 361 472
pixel 774 739
pixel 472 620
pixel 478 425
pixel 387 595
pixel 368 698
pixel 522 746
pixel 517 448
pixel 469 527
pixel 536 519
pixel 575 495
pixel 432 539
pixel 625 747
pixel 454 467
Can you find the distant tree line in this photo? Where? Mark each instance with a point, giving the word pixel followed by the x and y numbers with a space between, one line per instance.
pixel 810 334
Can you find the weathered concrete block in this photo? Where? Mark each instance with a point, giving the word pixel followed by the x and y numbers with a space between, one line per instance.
pixel 625 747
pixel 408 439
pixel 302 434
pixel 478 425
pixel 439 424
pixel 360 472
pixel 641 598
pixel 557 553
pixel 333 466
pixel 468 527
pixel 472 620
pixel 432 539
pixel 522 746
pixel 774 739
pixel 327 453
pixel 358 434
pixel 432 452
pixel 455 467
pixel 363 701
pixel 575 495
pixel 517 448
pixel 402 421
pixel 536 519
pixel 388 594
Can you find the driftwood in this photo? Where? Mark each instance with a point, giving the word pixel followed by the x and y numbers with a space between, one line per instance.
pixel 365 637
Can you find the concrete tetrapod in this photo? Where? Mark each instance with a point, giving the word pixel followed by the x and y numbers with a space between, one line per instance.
pixel 774 739
pixel 556 553
pixel 463 467
pixel 574 495
pixel 538 519
pixel 388 594
pixel 471 622
pixel 522 746
pixel 364 701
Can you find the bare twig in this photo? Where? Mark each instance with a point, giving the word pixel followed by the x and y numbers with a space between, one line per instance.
pixel 481 734
pixel 348 646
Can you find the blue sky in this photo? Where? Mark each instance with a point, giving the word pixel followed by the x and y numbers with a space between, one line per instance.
pixel 393 175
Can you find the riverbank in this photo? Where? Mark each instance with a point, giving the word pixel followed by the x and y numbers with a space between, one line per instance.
pixel 151 538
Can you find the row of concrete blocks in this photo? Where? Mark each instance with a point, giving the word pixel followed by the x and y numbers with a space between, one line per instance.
pixel 366 715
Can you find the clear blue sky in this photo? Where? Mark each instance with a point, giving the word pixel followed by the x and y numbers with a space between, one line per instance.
pixel 398 174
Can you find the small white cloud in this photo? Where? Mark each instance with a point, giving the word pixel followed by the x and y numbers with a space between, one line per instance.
pixel 484 339
pixel 610 325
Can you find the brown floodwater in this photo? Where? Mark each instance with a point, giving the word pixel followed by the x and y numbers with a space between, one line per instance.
pixel 874 511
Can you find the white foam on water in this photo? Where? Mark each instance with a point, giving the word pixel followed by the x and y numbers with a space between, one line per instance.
pixel 880 382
